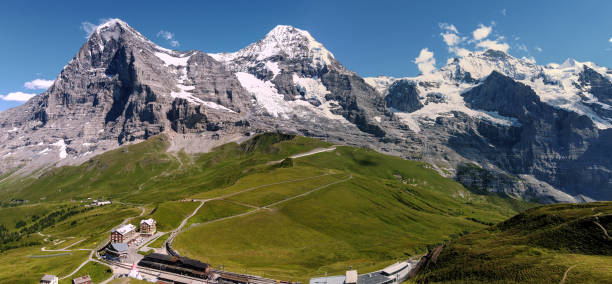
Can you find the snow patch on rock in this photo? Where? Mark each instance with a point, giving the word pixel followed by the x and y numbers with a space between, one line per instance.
pixel 265 93
pixel 171 60
pixel 62 148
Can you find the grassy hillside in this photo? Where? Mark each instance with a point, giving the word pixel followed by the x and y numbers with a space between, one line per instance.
pixel 290 219
pixel 367 210
pixel 146 173
pixel 537 246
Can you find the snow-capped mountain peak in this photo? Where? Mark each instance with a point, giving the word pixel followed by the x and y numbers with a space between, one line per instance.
pixel 283 41
pixel 478 65
pixel 122 88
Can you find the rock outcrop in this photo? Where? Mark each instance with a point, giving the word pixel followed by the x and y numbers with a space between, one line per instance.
pixel 541 133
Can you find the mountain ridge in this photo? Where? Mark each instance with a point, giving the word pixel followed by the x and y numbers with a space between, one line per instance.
pixel 122 88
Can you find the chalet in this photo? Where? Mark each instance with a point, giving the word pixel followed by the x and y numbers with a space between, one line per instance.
pixel 48 279
pixel 116 251
pixel 123 234
pixel 147 227
pixel 82 280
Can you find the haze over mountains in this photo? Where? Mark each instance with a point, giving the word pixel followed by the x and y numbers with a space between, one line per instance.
pixel 495 122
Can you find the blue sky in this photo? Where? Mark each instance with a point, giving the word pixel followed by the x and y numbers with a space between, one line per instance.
pixel 369 37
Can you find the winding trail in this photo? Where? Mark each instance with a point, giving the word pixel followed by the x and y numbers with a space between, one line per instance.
pixel 256 209
pixel 92 251
pixel 566 272
pixel 311 152
pixel 308 192
pixel 80 266
pixel 596 221
pixel 66 248
pixel 260 186
pixel 142 212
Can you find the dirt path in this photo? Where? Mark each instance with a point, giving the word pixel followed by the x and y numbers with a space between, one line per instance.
pixel 142 212
pixel 80 266
pixel 92 251
pixel 267 207
pixel 565 274
pixel 256 209
pixel 178 230
pixel 66 248
pixel 260 186
pixel 311 152
pixel 308 192
pixel 596 221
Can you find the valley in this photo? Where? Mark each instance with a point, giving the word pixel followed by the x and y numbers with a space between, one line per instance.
pixel 275 163
pixel 349 207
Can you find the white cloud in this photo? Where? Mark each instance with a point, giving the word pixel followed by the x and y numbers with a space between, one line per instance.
pixel 38 84
pixel 451 39
pixel 538 49
pixel 461 46
pixel 504 12
pixel 88 28
pixel 522 47
pixel 17 96
pixel 165 34
pixel 610 40
pixel 493 44
pixel 448 27
pixel 169 37
pixel 482 32
pixel 461 52
pixel 426 61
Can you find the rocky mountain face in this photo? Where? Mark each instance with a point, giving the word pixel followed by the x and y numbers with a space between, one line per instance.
pixel 494 122
pixel 532 131
pixel 403 95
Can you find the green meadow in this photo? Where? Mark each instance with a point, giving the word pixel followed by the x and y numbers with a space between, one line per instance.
pixel 537 246
pixel 284 218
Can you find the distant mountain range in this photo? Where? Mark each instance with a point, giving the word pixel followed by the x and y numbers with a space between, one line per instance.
pixel 494 122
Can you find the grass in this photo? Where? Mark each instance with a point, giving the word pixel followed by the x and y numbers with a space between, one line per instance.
pixel 98 273
pixel 145 173
pixel 277 175
pixel 270 194
pixel 169 215
pixel 92 226
pixel 392 209
pixel 537 246
pixel 216 209
pixel 17 267
pixel 9 216
pixel 159 242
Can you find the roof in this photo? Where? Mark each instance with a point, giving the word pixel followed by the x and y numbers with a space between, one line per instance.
pixel 328 280
pixel 119 247
pixel 149 222
pixel 160 256
pixel 82 279
pixel 394 268
pixel 125 229
pixel 193 262
pixel 351 276
pixel 48 278
pixel 182 260
pixel 373 278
